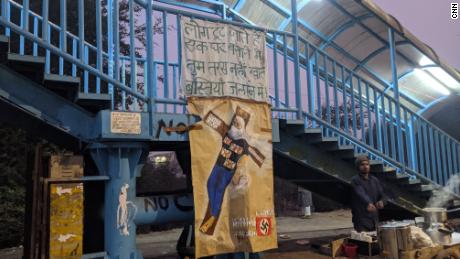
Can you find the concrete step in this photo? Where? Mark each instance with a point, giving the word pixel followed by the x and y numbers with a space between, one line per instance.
pixel 30 66
pixel 310 133
pixel 93 102
pixel 323 140
pixel 389 170
pixel 340 148
pixel 376 166
pixel 343 151
pixel 401 178
pixel 286 122
pixel 355 155
pixel 424 189
pixel 427 188
pixel 65 86
pixel 412 183
pixel 294 127
pixel 326 143
pixel 294 122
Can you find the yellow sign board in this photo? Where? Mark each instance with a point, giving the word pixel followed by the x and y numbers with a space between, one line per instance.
pixel 66 220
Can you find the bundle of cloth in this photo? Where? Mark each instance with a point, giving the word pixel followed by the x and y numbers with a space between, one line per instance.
pixel 419 238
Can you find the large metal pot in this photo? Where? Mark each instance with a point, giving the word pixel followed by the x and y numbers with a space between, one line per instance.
pixel 393 237
pixel 434 215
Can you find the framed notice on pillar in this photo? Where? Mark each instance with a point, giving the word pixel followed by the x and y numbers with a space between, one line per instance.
pixel 125 122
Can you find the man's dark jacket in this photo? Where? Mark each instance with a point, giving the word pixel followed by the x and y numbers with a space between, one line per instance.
pixel 365 191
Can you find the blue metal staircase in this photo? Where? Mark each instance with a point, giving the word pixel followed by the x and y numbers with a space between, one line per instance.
pixel 352 114
pixel 324 114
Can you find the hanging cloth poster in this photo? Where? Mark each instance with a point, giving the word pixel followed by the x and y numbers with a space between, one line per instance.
pixel 225 80
pixel 223 60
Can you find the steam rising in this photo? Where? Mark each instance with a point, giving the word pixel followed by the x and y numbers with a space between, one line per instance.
pixel 440 197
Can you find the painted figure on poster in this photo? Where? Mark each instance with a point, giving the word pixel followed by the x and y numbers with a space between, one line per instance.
pixel 234 146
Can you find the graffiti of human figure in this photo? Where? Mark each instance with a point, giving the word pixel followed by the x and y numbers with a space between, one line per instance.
pixel 234 146
pixel 126 211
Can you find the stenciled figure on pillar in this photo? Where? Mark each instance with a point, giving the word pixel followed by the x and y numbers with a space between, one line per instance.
pixel 126 211
pixel 234 146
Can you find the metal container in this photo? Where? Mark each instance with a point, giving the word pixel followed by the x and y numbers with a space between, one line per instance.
pixel 434 215
pixel 394 236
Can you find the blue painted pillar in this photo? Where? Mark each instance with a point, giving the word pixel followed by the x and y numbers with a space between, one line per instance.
pixel 122 162
pixel 164 209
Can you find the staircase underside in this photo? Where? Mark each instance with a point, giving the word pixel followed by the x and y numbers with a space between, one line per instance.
pixel 318 163
pixel 28 104
pixel 329 186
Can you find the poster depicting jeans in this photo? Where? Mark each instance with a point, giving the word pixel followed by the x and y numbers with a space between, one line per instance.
pixel 232 175
pixel 224 77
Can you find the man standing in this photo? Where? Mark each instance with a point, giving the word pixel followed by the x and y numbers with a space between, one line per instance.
pixel 367 197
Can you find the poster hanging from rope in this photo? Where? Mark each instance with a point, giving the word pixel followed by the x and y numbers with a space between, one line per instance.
pixel 223 60
pixel 225 81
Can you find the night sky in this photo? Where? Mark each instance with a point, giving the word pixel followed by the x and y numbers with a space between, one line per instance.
pixel 430 21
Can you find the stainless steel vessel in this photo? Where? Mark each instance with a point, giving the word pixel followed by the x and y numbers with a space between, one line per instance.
pixel 393 237
pixel 434 215
pixel 435 219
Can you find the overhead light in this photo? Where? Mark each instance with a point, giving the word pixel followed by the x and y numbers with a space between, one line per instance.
pixel 160 159
pixel 424 61
pixel 444 77
pixel 428 80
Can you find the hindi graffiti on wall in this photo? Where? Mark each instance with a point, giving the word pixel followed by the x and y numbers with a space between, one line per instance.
pixel 223 60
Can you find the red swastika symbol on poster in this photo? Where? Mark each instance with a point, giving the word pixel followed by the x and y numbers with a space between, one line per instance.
pixel 264 226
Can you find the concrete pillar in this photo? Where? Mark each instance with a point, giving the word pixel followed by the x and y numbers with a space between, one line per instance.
pixel 122 162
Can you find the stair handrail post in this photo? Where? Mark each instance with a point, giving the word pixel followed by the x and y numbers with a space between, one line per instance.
pixel 394 73
pixel 116 40
pixel 132 52
pixel 24 24
pixel 62 33
pixel 150 64
pixel 4 11
pixel 296 60
pixel 99 59
pixel 110 47
pixel 81 30
pixel 6 14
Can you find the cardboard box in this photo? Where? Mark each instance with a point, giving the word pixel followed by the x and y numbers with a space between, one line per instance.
pixel 66 166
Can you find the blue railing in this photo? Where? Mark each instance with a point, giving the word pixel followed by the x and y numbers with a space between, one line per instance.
pixel 305 82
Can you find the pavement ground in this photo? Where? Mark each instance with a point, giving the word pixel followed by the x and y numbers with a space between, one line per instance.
pixel 162 244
